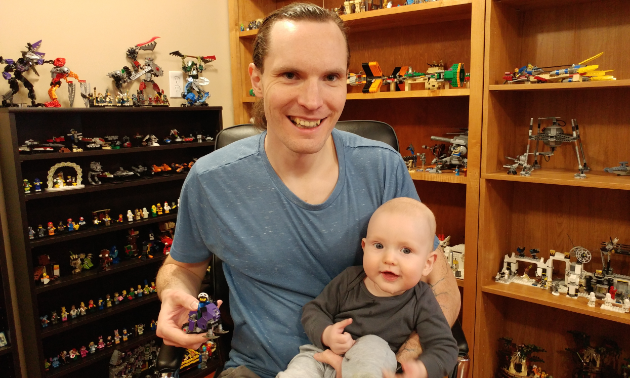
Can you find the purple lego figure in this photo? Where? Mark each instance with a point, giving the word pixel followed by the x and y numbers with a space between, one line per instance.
pixel 207 318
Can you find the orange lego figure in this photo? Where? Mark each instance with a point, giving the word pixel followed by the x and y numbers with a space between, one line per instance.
pixel 61 72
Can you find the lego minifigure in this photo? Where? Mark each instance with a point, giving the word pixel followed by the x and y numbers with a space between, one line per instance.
pixel 107 219
pixel 91 306
pixel 101 343
pixel 73 312
pixel 116 337
pixel 123 296
pixel 104 259
pixel 101 304
pixel 27 186
pixel 145 213
pixel 153 325
pixel 82 309
pixel 40 230
pixel 38 185
pixel 138 214
pixel 92 347
pixel 70 225
pixel 147 289
pixel 31 233
pixel 120 218
pixel 51 229
pixel 61 227
pixel 55 362
pixel 139 291
pixel 108 300
pixel 44 321
pixel 81 223
pixel 83 351
pixel 116 298
pixel 64 314
pixel 73 354
pixel 124 334
pixel 159 209
pixel 129 216
pixel 139 329
pixel 131 295
pixel 109 342
pixel 153 211
pixel 167 208
pixel 95 221
pixel 87 262
pixel 75 262
pixel 591 300
pixel 54 318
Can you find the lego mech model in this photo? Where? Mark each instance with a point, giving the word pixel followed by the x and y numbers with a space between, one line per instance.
pixel 149 69
pixel 30 58
pixel 552 136
pixel 455 158
pixel 193 93
pixel 60 72
pixel 572 73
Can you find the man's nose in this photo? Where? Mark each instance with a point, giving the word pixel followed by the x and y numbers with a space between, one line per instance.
pixel 310 96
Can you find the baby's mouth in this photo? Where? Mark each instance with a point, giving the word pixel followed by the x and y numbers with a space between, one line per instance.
pixel 305 124
pixel 389 276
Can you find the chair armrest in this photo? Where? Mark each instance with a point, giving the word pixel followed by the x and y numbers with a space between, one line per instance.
pixel 169 360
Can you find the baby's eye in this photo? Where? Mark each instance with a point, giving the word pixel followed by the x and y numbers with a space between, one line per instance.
pixel 378 245
pixel 406 251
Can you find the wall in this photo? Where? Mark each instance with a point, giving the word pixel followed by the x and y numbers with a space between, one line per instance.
pixel 94 36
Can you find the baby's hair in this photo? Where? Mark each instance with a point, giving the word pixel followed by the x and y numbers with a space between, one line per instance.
pixel 413 207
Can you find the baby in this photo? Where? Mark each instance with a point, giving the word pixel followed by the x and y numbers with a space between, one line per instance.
pixel 366 313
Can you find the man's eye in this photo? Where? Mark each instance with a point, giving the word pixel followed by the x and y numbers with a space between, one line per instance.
pixel 289 75
pixel 331 77
pixel 406 251
pixel 378 245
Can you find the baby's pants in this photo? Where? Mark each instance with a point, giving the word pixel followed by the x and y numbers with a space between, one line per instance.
pixel 366 359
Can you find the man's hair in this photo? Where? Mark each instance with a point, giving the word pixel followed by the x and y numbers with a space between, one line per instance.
pixel 293 12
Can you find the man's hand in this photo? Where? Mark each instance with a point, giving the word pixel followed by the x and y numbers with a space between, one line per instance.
pixel 174 312
pixel 410 350
pixel 411 369
pixel 336 339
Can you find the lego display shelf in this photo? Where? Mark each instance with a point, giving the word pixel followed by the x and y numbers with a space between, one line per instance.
pixel 561 86
pixel 101 355
pixel 107 186
pixel 451 92
pixel 69 155
pixel 94 273
pixel 92 231
pixel 600 180
pixel 561 301
pixel 55 329
pixel 449 177
pixel 425 13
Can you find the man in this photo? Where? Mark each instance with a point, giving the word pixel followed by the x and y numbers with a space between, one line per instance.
pixel 285 210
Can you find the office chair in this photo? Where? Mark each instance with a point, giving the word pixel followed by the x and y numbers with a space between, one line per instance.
pixel 170 357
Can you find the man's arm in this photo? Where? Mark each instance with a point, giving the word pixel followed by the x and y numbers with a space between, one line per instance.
pixel 444 286
pixel 178 285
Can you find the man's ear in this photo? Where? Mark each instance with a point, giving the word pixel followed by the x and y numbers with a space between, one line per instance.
pixel 428 265
pixel 256 78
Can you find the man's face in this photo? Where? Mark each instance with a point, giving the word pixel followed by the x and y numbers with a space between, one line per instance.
pixel 396 253
pixel 303 85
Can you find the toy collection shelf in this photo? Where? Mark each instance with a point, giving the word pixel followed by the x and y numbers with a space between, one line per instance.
pixel 547 208
pixel 448 30
pixel 18 125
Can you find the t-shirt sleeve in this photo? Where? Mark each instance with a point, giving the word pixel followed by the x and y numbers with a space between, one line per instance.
pixel 439 348
pixel 320 312
pixel 188 243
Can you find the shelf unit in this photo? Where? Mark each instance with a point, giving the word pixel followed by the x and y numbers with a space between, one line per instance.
pixel 9 356
pixel 542 211
pixel 36 299
pixel 411 35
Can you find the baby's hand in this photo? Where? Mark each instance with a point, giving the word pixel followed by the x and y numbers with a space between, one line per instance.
pixel 336 339
pixel 411 369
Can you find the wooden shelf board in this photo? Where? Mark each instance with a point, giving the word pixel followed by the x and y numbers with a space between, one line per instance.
pixel 249 99
pixel 61 155
pixel 112 109
pixel 5 350
pixel 562 302
pixel 452 92
pixel 560 86
pixel 600 180
pixel 460 283
pixel 439 177
pixel 108 186
pixel 94 273
pixel 425 13
pixel 524 5
pixel 55 329
pixel 91 231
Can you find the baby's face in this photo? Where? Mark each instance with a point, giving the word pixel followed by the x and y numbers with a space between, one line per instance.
pixel 396 253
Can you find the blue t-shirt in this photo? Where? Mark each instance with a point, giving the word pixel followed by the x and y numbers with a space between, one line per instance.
pixel 279 252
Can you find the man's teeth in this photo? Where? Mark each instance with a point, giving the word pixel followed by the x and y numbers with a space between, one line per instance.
pixel 304 123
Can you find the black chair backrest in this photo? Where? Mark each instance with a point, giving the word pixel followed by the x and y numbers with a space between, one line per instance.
pixel 374 130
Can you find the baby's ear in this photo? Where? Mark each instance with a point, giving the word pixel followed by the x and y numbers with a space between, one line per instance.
pixel 363 243
pixel 428 265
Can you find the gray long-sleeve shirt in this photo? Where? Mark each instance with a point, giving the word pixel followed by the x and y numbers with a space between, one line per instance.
pixel 391 318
